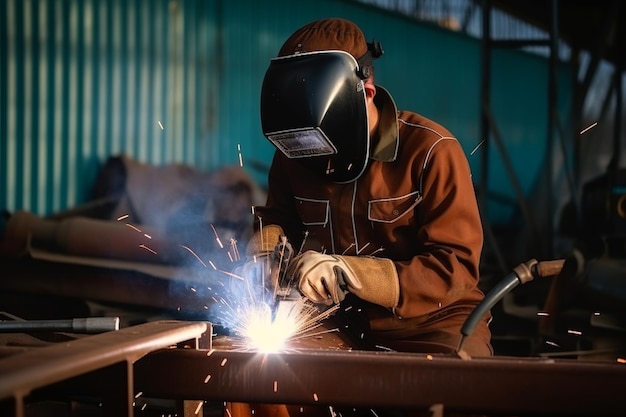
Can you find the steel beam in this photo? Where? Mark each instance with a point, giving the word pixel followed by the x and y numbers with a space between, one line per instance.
pixel 112 353
pixel 521 386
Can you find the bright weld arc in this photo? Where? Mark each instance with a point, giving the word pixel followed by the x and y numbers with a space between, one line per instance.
pixel 254 322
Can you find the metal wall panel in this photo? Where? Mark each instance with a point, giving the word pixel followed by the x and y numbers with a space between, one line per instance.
pixel 87 79
pixel 179 80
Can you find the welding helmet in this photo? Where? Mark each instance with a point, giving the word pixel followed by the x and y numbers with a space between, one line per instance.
pixel 313 109
pixel 313 105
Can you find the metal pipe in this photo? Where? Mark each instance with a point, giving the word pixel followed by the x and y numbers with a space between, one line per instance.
pixel 89 325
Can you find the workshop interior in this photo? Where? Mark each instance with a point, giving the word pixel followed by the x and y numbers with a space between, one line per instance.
pixel 131 157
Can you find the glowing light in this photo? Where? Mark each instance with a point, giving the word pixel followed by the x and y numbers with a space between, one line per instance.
pixel 260 332
pixel 477 146
pixel 268 329
pixel 135 228
pixel 148 249
pixel 125 216
pixel 240 158
pixel 588 127
pixel 195 255
pixel 217 238
pixel 161 126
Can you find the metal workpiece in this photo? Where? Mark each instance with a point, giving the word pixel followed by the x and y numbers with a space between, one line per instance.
pixel 520 386
pixel 109 355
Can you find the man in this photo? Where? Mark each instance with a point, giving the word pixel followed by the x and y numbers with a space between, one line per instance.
pixel 381 201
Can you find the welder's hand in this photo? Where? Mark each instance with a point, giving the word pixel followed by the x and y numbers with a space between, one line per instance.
pixel 325 279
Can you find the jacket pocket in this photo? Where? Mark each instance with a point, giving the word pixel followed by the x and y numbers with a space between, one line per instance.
pixel 313 212
pixel 389 210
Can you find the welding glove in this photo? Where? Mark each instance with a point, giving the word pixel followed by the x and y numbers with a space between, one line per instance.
pixel 325 279
pixel 264 241
pixel 266 252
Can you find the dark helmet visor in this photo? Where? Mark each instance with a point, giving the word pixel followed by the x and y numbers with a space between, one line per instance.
pixel 313 108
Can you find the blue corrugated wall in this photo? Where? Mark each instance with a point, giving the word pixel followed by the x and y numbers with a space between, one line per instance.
pixel 167 81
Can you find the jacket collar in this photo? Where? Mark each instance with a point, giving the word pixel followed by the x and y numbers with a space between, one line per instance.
pixel 386 148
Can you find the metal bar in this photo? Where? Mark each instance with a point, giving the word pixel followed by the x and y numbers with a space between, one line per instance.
pixel 22 373
pixel 387 379
pixel 88 325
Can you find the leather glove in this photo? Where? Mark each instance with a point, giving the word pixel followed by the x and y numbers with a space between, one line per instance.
pixel 264 241
pixel 267 253
pixel 325 279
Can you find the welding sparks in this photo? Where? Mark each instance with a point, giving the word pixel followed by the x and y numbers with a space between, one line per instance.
pixel 260 318
pixel 217 237
pixel 198 407
pixel 135 228
pixel 160 125
pixel 260 331
pixel 125 216
pixel 194 254
pixel 240 157
pixel 477 146
pixel 148 249
pixel 589 127
pixel 329 169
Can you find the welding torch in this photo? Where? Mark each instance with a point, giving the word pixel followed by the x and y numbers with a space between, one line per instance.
pixel 285 295
pixel 521 274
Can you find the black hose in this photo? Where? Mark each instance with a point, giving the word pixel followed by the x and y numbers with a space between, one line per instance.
pixel 496 294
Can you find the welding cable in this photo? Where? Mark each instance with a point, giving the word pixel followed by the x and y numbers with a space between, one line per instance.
pixel 523 273
pixel 90 325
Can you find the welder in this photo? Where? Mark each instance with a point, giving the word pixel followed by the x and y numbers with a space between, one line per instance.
pixel 381 201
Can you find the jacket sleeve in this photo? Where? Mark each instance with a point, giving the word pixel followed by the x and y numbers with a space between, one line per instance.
pixel 450 236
